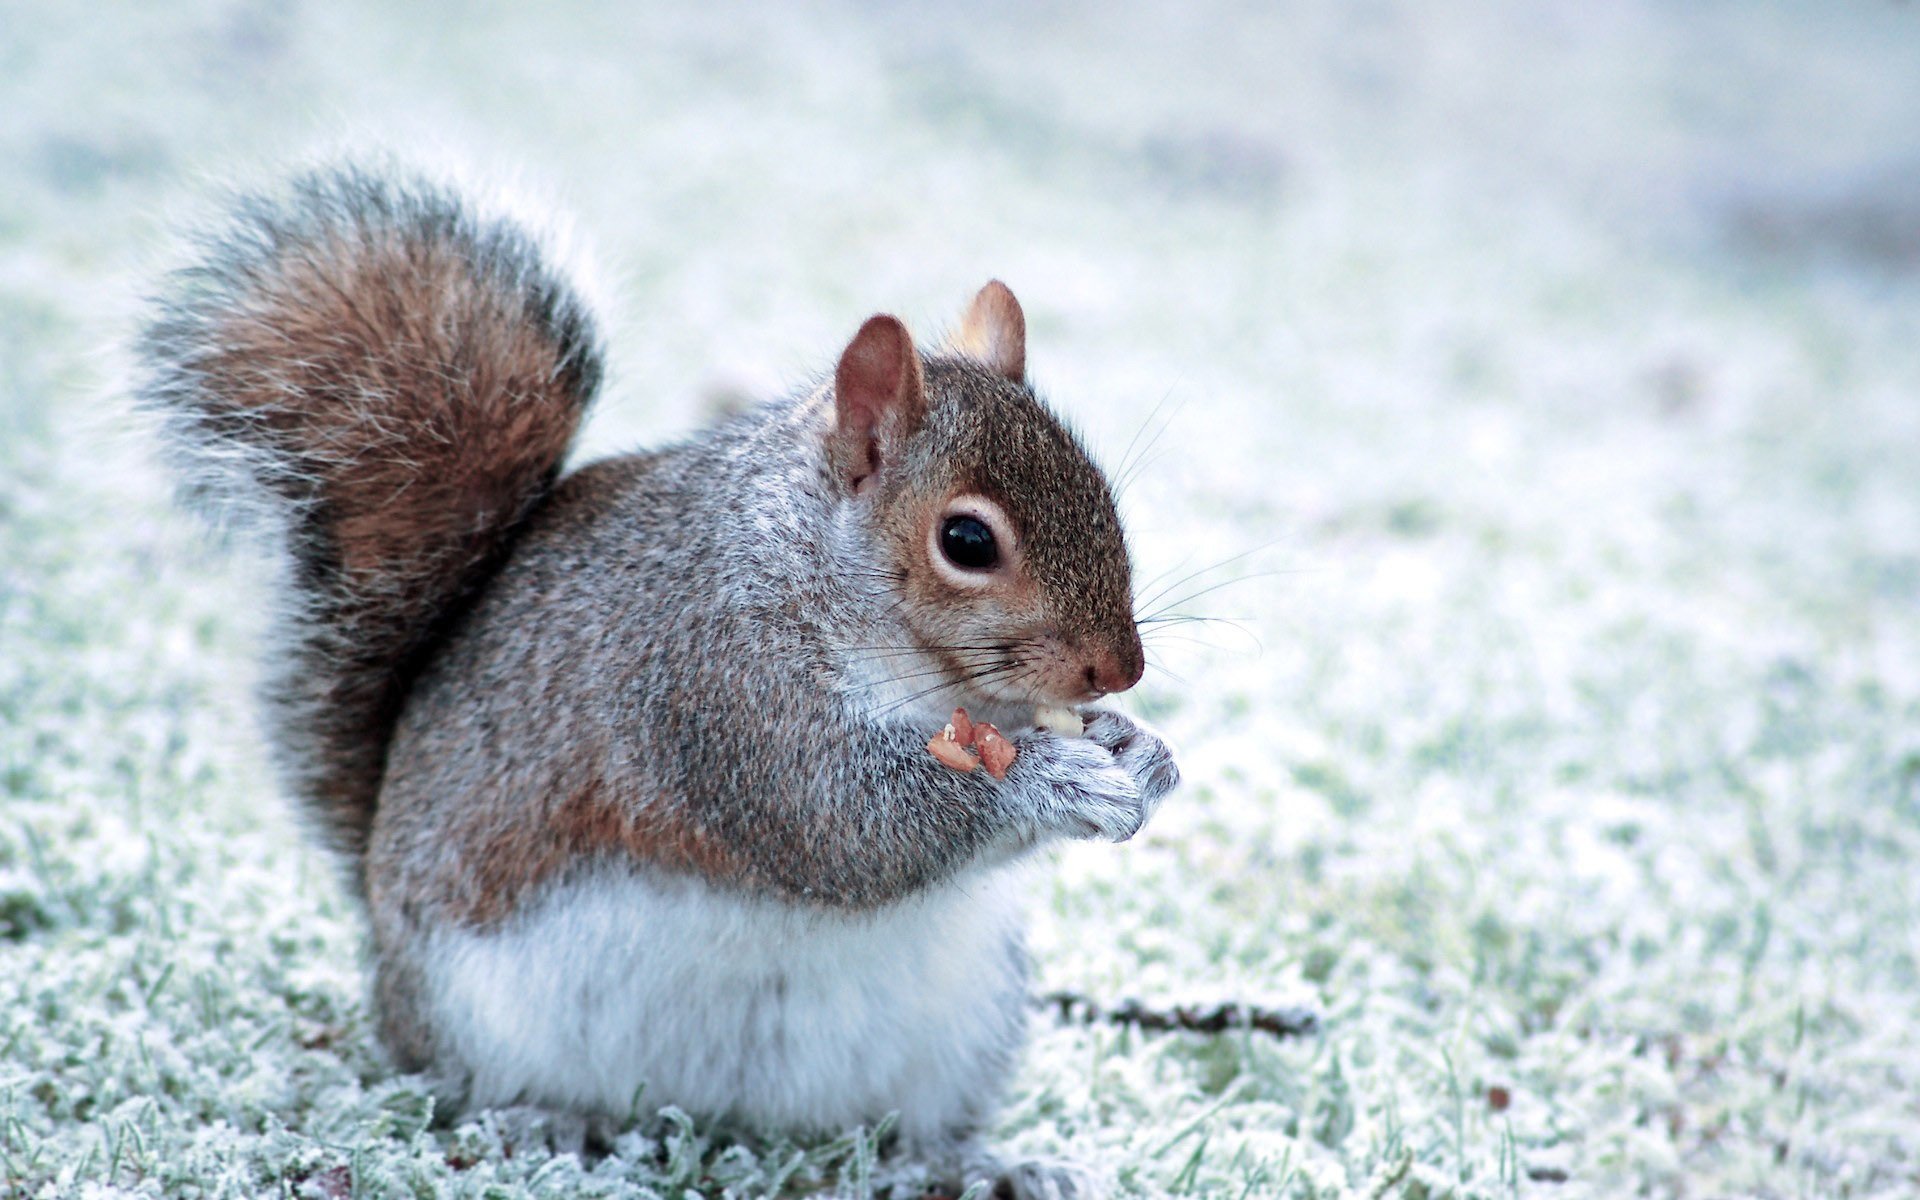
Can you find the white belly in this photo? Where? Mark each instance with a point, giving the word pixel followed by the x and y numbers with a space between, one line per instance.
pixel 725 1005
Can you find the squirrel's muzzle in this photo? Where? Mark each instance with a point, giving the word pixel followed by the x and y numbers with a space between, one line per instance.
pixel 1117 668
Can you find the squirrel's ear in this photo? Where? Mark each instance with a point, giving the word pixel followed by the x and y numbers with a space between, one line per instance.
pixel 879 398
pixel 994 332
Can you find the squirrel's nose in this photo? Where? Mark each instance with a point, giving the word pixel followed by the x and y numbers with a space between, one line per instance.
pixel 1117 671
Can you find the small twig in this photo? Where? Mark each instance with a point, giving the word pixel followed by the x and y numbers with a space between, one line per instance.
pixel 1071 1008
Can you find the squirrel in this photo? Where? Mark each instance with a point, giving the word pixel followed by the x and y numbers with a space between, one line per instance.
pixel 629 764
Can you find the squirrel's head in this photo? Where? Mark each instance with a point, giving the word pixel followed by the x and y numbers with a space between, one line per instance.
pixel 1000 533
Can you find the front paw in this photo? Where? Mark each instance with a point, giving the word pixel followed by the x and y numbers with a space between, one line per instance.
pixel 1142 753
pixel 1087 792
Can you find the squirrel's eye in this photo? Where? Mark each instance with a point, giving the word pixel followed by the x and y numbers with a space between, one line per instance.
pixel 968 543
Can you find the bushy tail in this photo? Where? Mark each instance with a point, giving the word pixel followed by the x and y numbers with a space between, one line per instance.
pixel 393 380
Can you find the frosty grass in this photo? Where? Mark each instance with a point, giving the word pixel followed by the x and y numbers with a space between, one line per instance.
pixel 1557 364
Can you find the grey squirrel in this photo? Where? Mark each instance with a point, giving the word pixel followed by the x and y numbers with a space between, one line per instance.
pixel 630 765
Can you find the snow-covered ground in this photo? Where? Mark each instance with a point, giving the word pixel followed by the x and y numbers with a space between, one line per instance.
pixel 1554 366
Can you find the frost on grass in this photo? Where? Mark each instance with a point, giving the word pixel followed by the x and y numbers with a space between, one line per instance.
pixel 1575 782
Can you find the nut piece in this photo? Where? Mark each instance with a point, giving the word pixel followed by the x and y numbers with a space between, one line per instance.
pixel 996 752
pixel 1063 721
pixel 952 753
pixel 960 729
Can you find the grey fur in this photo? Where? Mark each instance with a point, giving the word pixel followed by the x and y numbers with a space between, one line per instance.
pixel 667 661
pixel 387 382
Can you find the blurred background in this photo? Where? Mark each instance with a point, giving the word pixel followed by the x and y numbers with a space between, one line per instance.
pixel 1533 389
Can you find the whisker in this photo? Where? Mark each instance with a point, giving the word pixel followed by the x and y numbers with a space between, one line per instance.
pixel 1126 455
pixel 1130 464
pixel 1181 680
pixel 921 675
pixel 879 655
pixel 1009 645
pixel 1190 597
pixel 1148 458
pixel 1203 643
pixel 1001 670
pixel 1225 562
pixel 973 677
pixel 1162 628
pixel 1166 571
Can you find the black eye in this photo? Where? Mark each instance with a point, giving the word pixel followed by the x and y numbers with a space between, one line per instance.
pixel 968 543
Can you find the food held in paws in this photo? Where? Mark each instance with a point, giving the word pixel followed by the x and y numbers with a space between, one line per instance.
pixel 1063 721
pixel 996 752
pixel 952 753
pixel 965 744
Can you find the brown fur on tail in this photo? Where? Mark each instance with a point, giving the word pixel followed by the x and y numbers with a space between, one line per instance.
pixel 392 381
